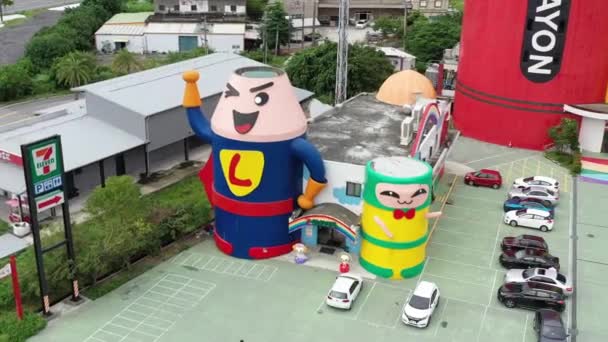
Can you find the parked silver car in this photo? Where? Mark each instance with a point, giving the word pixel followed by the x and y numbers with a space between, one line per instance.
pixel 547 197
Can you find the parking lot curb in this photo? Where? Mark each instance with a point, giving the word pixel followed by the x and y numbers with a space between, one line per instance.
pixel 573 258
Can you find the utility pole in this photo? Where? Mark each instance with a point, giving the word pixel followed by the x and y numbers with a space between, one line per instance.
pixel 265 37
pixel 314 22
pixel 303 18
pixel 1 13
pixel 342 59
pixel 276 42
pixel 205 34
pixel 406 3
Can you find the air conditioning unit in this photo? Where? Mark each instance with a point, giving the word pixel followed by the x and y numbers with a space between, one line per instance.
pixel 407 131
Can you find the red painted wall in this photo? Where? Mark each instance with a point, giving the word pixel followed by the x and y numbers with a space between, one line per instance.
pixel 495 100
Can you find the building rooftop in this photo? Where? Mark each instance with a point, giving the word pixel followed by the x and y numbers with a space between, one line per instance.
pixel 129 18
pixel 359 130
pixel 156 90
pixel 394 52
pixel 119 29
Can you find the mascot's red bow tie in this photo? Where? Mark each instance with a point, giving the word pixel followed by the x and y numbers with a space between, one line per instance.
pixel 399 214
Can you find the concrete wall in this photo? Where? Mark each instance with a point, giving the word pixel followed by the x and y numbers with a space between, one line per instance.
pixel 226 42
pixel 159 42
pixel 135 44
pixel 172 125
pixel 337 175
pixel 116 115
pixel 591 134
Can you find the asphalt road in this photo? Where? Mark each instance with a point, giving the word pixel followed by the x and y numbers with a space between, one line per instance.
pixel 14 38
pixel 21 111
pixel 23 5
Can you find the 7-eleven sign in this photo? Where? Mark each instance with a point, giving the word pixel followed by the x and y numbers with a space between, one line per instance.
pixel 45 160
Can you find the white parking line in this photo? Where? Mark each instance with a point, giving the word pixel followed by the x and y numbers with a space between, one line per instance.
pixel 483 319
pixel 459 247
pixel 492 289
pixel 440 317
pixel 490 157
pixel 183 262
pixel 365 300
pixel 495 243
pixel 464 264
pixel 456 280
pixel 525 328
pixel 204 267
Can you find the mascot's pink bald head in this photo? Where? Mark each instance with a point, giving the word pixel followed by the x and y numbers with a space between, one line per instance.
pixel 259 105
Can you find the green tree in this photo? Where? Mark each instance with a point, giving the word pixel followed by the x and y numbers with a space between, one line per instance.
pixel 112 6
pixel 255 9
pixel 4 3
pixel 565 135
pixel 428 39
pixel 120 214
pixel 43 50
pixel 388 25
pixel 275 24
pixel 75 69
pixel 125 63
pixel 315 69
pixel 84 21
pixel 16 80
pixel 457 4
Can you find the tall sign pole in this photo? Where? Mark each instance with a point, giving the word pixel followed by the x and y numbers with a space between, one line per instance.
pixel 45 182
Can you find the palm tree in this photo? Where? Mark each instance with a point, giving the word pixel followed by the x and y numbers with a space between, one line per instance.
pixel 125 62
pixel 75 69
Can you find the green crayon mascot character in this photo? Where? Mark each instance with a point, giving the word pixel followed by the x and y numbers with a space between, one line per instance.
pixel 394 220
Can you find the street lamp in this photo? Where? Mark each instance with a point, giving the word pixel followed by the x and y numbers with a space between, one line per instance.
pixel 407 5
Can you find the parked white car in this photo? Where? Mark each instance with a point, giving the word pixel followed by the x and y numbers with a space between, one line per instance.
pixel 419 307
pixel 361 24
pixel 547 197
pixel 540 275
pixel 344 291
pixel 539 181
pixel 531 218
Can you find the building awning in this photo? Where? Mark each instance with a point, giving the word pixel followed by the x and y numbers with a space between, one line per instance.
pixel 332 214
pixel 13 179
pixel 593 110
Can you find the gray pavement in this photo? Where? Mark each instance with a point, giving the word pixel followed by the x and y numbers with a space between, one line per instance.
pixel 24 5
pixel 22 111
pixel 13 39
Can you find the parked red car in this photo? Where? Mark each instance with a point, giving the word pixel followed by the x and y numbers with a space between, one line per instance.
pixel 484 177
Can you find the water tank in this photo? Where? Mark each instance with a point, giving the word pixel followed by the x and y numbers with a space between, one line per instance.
pixel 521 61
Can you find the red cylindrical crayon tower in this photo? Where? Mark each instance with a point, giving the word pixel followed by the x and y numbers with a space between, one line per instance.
pixel 521 61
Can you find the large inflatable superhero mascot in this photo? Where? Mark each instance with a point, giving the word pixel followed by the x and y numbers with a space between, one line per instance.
pixel 254 174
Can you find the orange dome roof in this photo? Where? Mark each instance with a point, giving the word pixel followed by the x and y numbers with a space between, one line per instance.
pixel 401 88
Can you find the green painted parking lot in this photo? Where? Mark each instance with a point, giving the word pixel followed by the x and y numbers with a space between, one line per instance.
pixel 202 295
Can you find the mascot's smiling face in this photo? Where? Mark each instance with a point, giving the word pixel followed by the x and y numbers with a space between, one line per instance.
pixel 402 196
pixel 259 105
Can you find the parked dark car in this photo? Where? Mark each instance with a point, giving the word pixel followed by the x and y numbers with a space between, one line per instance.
pixel 549 326
pixel 529 203
pixel 484 177
pixel 531 296
pixel 528 258
pixel 309 37
pixel 525 241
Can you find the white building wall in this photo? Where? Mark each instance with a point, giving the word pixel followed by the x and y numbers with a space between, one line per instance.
pixel 135 44
pixel 428 146
pixel 226 42
pixel 337 175
pixel 591 134
pixel 162 42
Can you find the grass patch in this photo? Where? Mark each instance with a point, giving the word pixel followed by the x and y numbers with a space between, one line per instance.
pixel 4 227
pixel 189 189
pixel 116 280
pixel 135 6
pixel 571 161
pixel 13 330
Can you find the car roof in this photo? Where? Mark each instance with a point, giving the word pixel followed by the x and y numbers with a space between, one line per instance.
pixel 538 212
pixel 494 172
pixel 343 284
pixel 545 178
pixel 549 314
pixel 424 289
pixel 531 237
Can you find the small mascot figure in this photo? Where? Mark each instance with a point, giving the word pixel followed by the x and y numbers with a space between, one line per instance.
pixel 344 263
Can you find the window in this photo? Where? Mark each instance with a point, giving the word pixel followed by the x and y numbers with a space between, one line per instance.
pixel 423 3
pixel 193 8
pixel 353 189
pixel 232 8
pixel 353 287
pixel 161 8
pixel 438 3
pixel 176 7
pixel 236 46
pixel 213 8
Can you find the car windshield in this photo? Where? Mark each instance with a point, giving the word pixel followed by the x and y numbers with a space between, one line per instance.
pixel 550 192
pixel 554 333
pixel 419 303
pixel 561 278
pixel 528 179
pixel 528 273
pixel 337 295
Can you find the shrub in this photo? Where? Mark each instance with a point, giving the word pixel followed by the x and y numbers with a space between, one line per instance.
pixel 43 84
pixel 15 81
pixel 13 330
pixel 576 166
pixel 43 50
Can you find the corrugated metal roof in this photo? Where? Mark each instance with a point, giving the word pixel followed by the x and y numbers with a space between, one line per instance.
pixel 85 139
pixel 129 18
pixel 124 30
pixel 391 51
pixel 219 28
pixel 160 89
pixel 172 28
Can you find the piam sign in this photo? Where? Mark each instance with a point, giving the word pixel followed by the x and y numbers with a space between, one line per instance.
pixel 46 173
